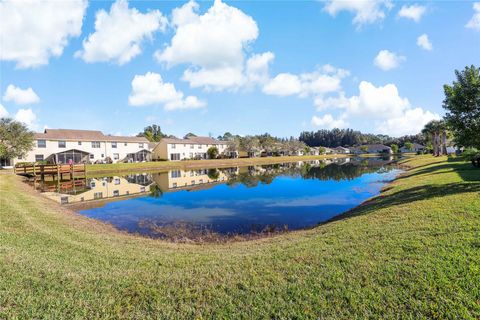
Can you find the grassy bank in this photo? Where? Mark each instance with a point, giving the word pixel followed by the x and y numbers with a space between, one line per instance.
pixel 189 164
pixel 413 252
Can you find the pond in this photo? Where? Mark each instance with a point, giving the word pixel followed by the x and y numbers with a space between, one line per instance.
pixel 215 203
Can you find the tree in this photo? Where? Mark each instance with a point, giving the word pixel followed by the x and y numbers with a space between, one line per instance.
pixel 15 139
pixel 394 148
pixel 408 146
pixel 364 149
pixel 153 133
pixel 462 102
pixel 249 144
pixel 212 152
pixel 322 150
pixel 436 130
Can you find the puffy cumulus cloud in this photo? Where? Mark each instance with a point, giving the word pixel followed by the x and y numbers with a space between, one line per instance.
pixel 119 33
pixel 424 42
pixel 365 11
pixel 474 22
pixel 413 12
pixel 33 31
pixel 3 112
pixel 325 80
pixel 387 60
pixel 150 89
pixel 257 68
pixel 28 117
pixel 212 44
pixel 329 122
pixel 20 96
pixel 411 121
pixel 382 106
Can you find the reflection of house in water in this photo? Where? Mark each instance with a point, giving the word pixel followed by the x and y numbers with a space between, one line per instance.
pixel 192 179
pixel 102 188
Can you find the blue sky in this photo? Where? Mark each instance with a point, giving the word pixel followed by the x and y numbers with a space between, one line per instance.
pixel 246 67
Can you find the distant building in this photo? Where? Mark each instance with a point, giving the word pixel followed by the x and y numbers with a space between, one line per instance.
pixel 341 150
pixel 190 148
pixel 372 148
pixel 416 148
pixel 85 146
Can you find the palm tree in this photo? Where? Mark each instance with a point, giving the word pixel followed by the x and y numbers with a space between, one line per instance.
pixel 437 131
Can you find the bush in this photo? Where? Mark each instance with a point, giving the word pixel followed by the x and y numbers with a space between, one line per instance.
pixel 472 155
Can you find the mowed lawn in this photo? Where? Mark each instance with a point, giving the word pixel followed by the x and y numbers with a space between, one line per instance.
pixel 413 252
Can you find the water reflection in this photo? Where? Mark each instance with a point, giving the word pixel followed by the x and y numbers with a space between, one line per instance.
pixel 208 204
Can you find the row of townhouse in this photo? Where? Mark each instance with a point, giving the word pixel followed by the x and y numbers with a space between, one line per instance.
pixel 81 146
pixel 64 146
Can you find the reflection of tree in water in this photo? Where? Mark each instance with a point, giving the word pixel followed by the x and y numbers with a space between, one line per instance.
pixel 155 191
pixel 322 171
pixel 213 174
pixel 337 172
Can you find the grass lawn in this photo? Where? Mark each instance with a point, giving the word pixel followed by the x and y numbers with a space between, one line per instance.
pixel 413 252
pixel 167 165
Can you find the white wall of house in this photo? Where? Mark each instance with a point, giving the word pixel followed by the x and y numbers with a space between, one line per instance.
pixel 98 150
pixel 184 151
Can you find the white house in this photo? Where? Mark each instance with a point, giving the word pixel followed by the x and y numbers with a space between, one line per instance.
pixel 415 148
pixel 372 148
pixel 190 148
pixel 83 146
pixel 341 150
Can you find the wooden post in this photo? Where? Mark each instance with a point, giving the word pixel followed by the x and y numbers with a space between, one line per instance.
pixel 58 177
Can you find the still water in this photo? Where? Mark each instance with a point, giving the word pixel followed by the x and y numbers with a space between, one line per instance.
pixel 202 203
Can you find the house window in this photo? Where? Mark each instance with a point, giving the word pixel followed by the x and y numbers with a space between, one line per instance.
pixel 103 155
pixel 174 184
pixel 175 174
pixel 96 144
pixel 62 144
pixel 116 181
pixel 142 189
pixel 39 157
pixel 114 145
pixel 116 156
pixel 41 143
pixel 79 143
pixel 175 156
pixel 92 184
pixel 64 200
pixel 140 145
pixel 92 156
pixel 98 195
pixel 125 144
pixel 192 146
pixel 116 193
pixel 174 146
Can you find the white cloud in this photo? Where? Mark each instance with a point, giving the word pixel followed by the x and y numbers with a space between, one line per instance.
pixel 414 12
pixel 424 43
pixel 150 89
pixel 328 122
pixel 257 68
pixel 474 22
pixel 325 80
pixel 119 33
pixel 212 44
pixel 411 121
pixel 20 96
pixel 33 31
pixel 387 60
pixel 27 116
pixel 3 112
pixel 382 107
pixel 284 84
pixel 366 11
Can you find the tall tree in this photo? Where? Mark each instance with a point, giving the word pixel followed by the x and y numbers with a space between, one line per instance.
pixel 437 131
pixel 153 133
pixel 15 139
pixel 462 101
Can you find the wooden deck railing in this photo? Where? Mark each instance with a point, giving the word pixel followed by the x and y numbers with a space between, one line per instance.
pixel 50 169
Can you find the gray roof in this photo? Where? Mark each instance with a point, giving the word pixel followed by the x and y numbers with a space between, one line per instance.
pixel 85 135
pixel 194 140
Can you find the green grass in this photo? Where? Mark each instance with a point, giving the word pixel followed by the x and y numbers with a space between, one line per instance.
pixel 413 253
